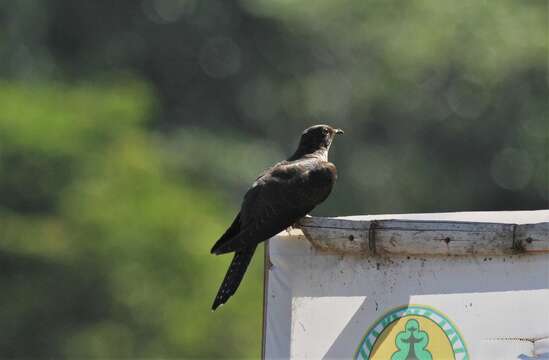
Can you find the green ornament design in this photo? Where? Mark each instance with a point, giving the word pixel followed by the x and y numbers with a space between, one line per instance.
pixel 412 343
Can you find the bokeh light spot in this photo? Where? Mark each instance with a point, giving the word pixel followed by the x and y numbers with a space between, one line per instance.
pixel 258 100
pixel 533 119
pixel 329 95
pixel 166 11
pixel 512 169
pixel 467 99
pixel 220 57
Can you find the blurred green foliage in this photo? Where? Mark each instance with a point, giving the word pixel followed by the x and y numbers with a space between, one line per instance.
pixel 130 130
pixel 104 245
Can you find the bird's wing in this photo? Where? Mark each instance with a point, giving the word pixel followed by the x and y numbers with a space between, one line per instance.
pixel 235 227
pixel 286 193
pixel 232 231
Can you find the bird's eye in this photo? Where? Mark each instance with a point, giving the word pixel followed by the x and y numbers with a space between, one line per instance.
pixel 324 131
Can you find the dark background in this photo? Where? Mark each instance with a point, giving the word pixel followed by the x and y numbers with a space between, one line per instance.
pixel 129 131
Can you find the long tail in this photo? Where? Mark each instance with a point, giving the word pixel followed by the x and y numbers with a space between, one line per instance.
pixel 234 276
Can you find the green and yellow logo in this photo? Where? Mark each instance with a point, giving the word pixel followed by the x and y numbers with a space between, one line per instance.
pixel 413 332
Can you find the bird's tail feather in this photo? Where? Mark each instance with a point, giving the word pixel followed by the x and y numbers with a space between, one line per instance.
pixel 234 275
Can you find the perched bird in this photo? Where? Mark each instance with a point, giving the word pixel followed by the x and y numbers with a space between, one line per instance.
pixel 279 197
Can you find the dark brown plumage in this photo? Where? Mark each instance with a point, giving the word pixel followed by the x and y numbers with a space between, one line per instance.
pixel 279 197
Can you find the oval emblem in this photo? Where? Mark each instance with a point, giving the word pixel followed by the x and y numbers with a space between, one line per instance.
pixel 412 332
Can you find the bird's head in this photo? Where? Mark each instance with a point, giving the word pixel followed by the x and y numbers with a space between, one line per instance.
pixel 315 138
pixel 319 136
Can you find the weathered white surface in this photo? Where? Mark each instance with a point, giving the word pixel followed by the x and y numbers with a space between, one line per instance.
pixel 321 304
pixel 432 234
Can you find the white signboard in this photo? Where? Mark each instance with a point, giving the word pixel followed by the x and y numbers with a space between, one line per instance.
pixel 322 304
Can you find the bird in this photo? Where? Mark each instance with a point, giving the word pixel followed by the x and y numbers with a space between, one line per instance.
pixel 279 197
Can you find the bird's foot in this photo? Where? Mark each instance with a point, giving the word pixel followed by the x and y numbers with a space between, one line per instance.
pixel 289 229
pixel 297 225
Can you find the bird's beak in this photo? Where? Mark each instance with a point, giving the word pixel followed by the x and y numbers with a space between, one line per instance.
pixel 339 132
